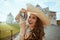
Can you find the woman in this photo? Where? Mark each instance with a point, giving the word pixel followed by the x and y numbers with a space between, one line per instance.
pixel 35 29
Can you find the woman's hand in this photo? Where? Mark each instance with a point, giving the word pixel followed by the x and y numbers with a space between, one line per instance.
pixel 22 30
pixel 17 18
pixel 22 24
pixel 22 21
pixel 22 10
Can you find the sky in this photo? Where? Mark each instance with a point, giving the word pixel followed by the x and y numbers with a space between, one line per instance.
pixel 14 6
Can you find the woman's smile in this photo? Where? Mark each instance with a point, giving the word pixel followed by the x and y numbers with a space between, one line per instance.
pixel 30 22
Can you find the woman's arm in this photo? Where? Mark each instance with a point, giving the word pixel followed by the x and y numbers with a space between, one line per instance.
pixel 22 30
pixel 22 25
pixel 22 34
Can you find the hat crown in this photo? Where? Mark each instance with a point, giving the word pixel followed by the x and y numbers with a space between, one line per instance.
pixel 39 13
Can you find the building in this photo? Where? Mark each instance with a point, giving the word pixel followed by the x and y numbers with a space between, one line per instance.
pixel 50 14
pixel 38 6
pixel 46 11
pixel 10 18
pixel 58 22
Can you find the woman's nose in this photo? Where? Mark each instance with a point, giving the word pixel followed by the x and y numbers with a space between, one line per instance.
pixel 30 19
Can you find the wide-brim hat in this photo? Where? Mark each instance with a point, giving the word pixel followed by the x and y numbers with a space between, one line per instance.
pixel 39 13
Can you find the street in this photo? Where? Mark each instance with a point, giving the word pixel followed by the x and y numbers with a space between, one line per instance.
pixel 52 32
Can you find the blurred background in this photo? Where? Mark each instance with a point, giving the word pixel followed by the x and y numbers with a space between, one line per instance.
pixel 9 28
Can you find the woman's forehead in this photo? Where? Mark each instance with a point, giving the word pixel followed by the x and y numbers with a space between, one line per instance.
pixel 31 14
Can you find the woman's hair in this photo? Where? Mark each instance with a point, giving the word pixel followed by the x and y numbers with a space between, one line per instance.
pixel 38 32
pixel 39 29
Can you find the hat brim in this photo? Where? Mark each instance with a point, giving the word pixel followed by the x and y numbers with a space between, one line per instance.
pixel 39 13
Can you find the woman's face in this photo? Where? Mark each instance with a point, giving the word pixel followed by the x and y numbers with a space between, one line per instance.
pixel 32 20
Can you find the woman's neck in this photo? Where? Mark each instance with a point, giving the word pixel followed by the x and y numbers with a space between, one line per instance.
pixel 31 28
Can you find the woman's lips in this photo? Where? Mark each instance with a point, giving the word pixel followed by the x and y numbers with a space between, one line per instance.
pixel 30 22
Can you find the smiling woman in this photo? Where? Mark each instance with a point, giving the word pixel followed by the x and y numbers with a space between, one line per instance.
pixel 34 30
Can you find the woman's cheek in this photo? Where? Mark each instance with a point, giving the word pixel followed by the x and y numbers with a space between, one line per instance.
pixel 34 21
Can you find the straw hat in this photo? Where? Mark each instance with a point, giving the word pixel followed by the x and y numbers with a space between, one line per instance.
pixel 39 13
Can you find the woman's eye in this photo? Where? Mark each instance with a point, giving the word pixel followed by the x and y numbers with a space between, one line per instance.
pixel 29 17
pixel 33 17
